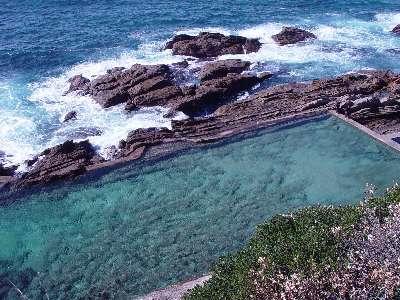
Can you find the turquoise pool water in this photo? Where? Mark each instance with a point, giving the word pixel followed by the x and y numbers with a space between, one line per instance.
pixel 138 228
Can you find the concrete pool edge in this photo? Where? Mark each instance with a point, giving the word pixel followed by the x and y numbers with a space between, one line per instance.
pixel 383 139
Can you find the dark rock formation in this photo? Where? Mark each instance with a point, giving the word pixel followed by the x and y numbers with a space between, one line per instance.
pixel 142 86
pixel 292 35
pixel 77 82
pixel 396 30
pixel 222 68
pixel 371 96
pixel 70 116
pixel 212 93
pixel 64 161
pixel 208 44
pixel 7 171
pixel 120 86
pixel 140 139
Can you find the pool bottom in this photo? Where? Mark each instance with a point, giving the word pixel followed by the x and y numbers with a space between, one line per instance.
pixel 143 227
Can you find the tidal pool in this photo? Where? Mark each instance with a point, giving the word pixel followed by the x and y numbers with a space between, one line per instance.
pixel 142 227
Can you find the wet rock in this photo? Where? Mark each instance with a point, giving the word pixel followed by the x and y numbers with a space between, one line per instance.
pixel 118 87
pixel 139 139
pixel 83 132
pixel 115 70
pixel 7 171
pixel 70 116
pixel 208 44
pixel 212 93
pixel 292 35
pixel 370 95
pixel 77 82
pixel 396 30
pixel 265 75
pixel 222 68
pixel 182 64
pixel 64 161
pixel 156 97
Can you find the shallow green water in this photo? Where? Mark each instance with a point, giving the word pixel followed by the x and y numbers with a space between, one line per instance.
pixel 140 228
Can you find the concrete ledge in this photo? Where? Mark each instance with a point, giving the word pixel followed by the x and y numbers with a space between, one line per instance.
pixel 384 139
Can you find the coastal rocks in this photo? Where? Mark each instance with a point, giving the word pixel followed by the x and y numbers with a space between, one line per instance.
pixel 156 85
pixel 7 171
pixel 370 97
pixel 70 116
pixel 64 161
pixel 208 44
pixel 139 139
pixel 222 68
pixel 212 93
pixel 77 82
pixel 396 30
pixel 292 35
pixel 289 100
pixel 118 87
pixel 162 97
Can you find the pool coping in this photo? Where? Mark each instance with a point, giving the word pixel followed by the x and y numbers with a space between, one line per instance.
pixel 382 138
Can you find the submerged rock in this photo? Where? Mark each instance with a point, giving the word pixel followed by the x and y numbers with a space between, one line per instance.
pixel 292 35
pixel 64 161
pixel 396 30
pixel 208 44
pixel 70 116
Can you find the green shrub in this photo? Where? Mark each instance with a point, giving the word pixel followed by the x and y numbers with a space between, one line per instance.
pixel 310 239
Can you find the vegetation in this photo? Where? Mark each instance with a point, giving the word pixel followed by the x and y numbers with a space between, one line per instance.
pixel 349 252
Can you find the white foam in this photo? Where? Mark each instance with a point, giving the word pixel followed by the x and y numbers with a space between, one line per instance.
pixel 21 137
pixel 388 20
pixel 24 134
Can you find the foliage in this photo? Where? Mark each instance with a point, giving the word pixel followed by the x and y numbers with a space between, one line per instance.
pixel 311 252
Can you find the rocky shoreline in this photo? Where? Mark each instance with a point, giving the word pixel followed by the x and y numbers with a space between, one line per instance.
pixel 211 103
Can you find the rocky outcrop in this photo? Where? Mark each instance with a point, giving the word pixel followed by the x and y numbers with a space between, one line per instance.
pixel 142 86
pixel 208 44
pixel 292 35
pixel 7 171
pixel 222 68
pixel 70 116
pixel 212 93
pixel 77 83
pixel 365 96
pixel 64 161
pixel 396 30
pixel 140 139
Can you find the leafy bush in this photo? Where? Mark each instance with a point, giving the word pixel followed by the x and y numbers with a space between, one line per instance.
pixel 307 252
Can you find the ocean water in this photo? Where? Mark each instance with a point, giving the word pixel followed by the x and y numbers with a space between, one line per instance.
pixel 143 227
pixel 44 42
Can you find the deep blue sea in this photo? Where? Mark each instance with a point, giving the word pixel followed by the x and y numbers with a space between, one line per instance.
pixel 44 42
